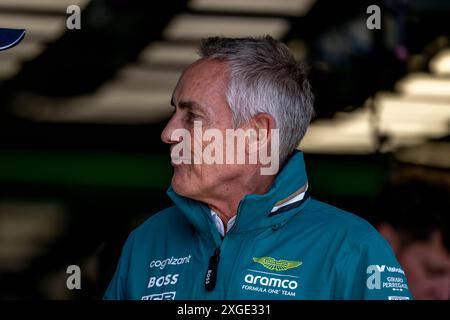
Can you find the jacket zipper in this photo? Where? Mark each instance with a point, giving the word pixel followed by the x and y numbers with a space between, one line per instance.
pixel 211 273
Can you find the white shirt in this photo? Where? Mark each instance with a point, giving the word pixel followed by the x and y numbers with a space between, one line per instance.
pixel 220 226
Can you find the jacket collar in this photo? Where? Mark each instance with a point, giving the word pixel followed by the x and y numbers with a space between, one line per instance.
pixel 254 210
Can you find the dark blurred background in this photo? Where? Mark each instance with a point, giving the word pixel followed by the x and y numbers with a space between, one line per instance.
pixel 81 112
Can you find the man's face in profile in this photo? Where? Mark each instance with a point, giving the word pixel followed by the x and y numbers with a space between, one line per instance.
pixel 200 97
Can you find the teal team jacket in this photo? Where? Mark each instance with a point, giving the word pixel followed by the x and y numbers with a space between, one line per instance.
pixel 305 250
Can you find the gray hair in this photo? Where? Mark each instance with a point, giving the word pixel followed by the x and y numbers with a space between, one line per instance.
pixel 265 78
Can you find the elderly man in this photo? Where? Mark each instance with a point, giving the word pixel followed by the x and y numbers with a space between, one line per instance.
pixel 238 231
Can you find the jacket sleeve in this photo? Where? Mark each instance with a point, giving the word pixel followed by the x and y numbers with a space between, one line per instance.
pixel 368 270
pixel 117 289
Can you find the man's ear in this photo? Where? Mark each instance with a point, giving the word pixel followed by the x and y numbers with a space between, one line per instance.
pixel 263 124
pixel 390 234
pixel 260 127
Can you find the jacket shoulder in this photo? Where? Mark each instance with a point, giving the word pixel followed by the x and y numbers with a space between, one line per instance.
pixel 333 218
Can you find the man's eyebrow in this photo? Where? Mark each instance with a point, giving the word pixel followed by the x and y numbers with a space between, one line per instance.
pixel 191 105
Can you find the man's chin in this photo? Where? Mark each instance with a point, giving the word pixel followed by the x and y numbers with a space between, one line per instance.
pixel 181 186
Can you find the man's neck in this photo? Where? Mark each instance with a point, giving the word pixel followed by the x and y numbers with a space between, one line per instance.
pixel 227 205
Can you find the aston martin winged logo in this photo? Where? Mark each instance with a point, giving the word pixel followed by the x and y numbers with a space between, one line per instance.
pixel 278 265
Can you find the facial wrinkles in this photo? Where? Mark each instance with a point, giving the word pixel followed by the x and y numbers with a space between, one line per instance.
pixel 208 92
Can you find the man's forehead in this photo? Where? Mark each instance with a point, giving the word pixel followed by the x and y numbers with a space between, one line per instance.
pixel 203 77
pixel 211 69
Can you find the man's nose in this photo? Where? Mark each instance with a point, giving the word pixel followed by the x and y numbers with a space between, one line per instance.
pixel 166 134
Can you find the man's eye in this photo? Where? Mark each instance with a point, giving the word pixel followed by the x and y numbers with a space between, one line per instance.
pixel 192 116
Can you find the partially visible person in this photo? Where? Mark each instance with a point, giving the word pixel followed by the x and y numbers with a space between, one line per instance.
pixel 413 218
